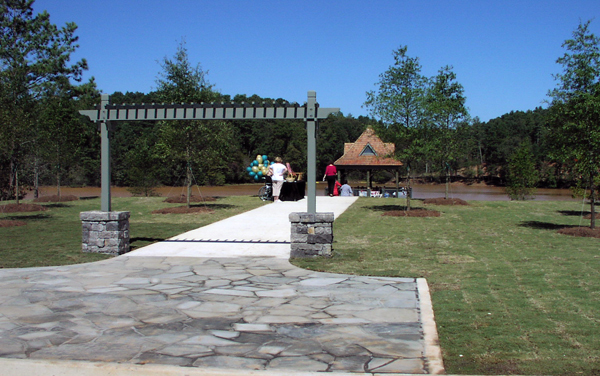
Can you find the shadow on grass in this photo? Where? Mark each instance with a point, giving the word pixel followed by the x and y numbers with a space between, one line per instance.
pixel 145 241
pixel 385 208
pixel 574 213
pixel 213 206
pixel 544 225
pixel 57 205
pixel 88 197
pixel 35 217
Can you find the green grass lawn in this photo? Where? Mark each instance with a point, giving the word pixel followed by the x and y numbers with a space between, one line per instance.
pixel 53 237
pixel 510 295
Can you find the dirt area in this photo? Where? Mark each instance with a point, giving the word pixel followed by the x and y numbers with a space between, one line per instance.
pixel 184 210
pixel 445 201
pixel 585 232
pixel 183 199
pixel 10 223
pixel 56 198
pixel 420 213
pixel 19 208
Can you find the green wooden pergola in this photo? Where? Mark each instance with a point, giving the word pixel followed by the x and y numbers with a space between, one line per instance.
pixel 106 113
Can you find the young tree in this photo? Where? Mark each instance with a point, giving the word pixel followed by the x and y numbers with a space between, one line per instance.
pixel 399 103
pixel 575 110
pixel 522 175
pixel 446 108
pixel 201 144
pixel 34 56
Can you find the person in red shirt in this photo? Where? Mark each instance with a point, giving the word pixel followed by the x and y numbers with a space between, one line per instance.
pixel 331 177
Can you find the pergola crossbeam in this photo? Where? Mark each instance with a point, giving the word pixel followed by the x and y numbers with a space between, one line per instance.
pixel 205 111
pixel 107 113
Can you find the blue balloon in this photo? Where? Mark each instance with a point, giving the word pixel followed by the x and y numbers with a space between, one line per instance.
pixel 259 174
pixel 248 169
pixel 255 163
pixel 252 173
pixel 265 157
pixel 272 163
pixel 256 177
pixel 266 163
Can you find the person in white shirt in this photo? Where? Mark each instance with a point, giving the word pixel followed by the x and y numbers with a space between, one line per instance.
pixel 276 171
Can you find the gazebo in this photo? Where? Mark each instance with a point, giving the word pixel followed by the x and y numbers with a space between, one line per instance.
pixel 369 153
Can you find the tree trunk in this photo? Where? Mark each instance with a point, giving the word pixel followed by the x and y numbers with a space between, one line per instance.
pixel 17 185
pixel 36 182
pixel 189 186
pixel 447 184
pixel 189 179
pixel 58 182
pixel 408 191
pixel 593 201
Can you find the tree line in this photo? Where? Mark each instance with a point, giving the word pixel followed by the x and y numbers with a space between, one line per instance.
pixel 44 141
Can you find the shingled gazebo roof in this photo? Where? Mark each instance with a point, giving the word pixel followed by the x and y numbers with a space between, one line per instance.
pixel 368 153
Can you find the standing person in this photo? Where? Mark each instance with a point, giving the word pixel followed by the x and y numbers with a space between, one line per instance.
pixel 330 176
pixel 277 170
pixel 346 189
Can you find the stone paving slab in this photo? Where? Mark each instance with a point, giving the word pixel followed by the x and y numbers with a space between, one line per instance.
pixel 247 314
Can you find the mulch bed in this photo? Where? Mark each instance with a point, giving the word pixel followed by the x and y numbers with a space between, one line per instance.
pixel 444 201
pixel 413 213
pixel 183 199
pixel 184 210
pixel 10 223
pixel 56 198
pixel 585 232
pixel 20 208
pixel 589 216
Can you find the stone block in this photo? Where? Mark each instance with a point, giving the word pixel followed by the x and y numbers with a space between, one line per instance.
pixel 299 238
pixel 319 239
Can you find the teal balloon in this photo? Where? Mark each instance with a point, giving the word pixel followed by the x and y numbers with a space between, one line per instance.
pixel 266 163
pixel 260 174
pixel 252 173
pixel 272 163
pixel 265 157
pixel 256 177
pixel 255 163
pixel 248 168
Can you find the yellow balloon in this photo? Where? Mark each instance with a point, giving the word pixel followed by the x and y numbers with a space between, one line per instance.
pixel 255 168
pixel 259 159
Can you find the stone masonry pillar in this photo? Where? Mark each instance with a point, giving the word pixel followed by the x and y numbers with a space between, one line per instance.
pixel 311 234
pixel 105 232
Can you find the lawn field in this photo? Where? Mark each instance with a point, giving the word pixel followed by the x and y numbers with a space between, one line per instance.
pixel 510 294
pixel 53 236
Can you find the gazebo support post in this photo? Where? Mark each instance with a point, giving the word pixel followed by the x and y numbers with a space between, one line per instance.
pixel 397 184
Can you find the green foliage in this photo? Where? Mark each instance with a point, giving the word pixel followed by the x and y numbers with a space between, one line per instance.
pixel 522 176
pixel 200 146
pixel 576 108
pixel 34 64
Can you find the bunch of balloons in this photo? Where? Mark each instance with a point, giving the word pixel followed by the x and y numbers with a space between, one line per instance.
pixel 259 167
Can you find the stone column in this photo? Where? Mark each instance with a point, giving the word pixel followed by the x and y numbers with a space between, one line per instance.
pixel 311 234
pixel 105 232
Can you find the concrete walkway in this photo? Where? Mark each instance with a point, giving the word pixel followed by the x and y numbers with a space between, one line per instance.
pixel 220 300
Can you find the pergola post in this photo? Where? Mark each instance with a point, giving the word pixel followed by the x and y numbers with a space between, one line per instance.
pixel 105 204
pixel 311 152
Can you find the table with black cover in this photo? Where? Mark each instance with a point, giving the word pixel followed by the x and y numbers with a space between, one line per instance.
pixel 292 191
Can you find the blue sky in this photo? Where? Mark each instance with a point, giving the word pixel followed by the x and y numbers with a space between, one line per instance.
pixel 503 52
